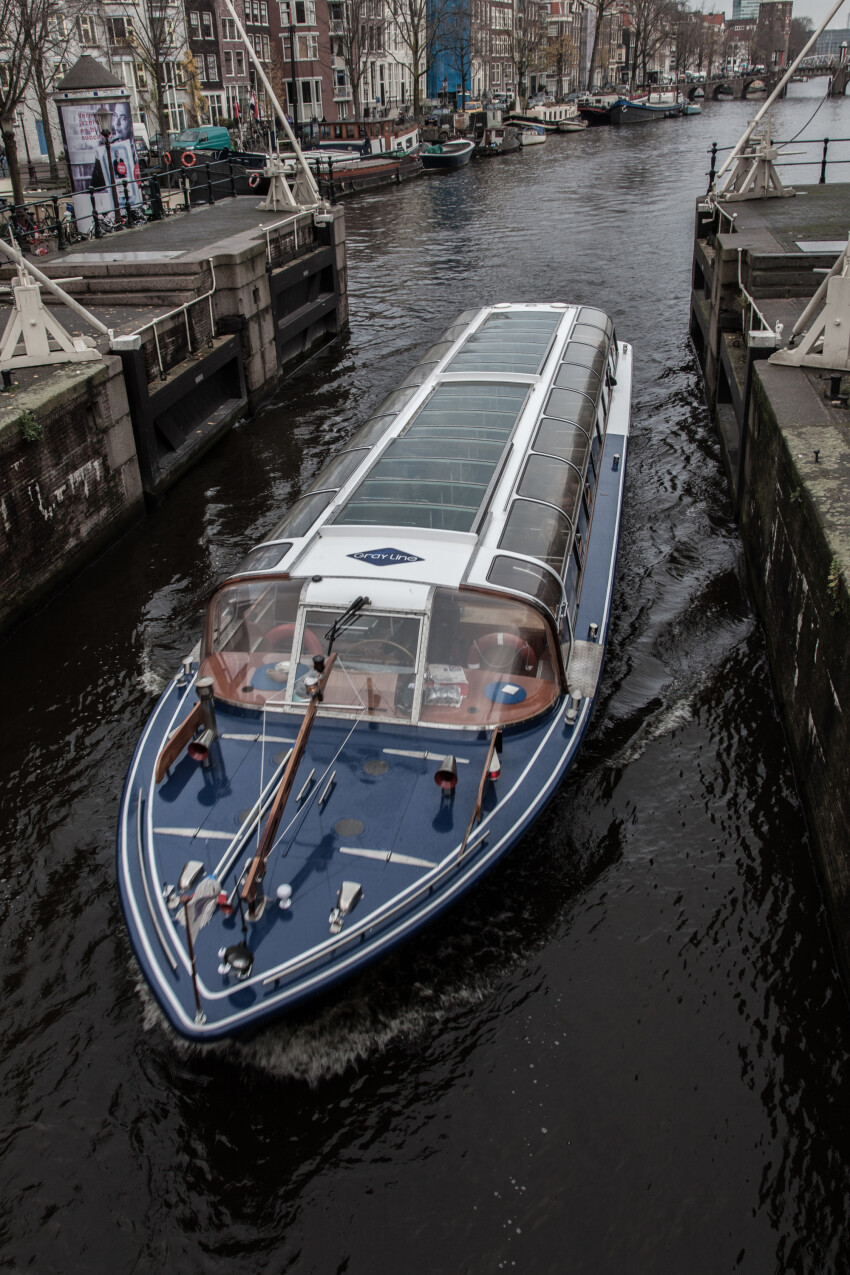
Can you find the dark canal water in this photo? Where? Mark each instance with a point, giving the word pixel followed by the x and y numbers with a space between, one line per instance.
pixel 628 1049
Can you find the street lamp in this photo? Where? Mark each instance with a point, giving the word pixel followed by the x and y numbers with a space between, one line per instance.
pixel 104 123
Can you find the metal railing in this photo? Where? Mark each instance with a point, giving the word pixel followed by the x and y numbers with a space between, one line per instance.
pixel 303 219
pixel 57 222
pixel 824 144
pixel 184 309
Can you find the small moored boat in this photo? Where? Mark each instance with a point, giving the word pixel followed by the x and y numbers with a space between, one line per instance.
pixel 451 154
pixel 498 140
pixel 532 134
pixel 390 687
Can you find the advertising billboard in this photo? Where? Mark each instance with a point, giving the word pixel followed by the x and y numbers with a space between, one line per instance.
pixel 87 156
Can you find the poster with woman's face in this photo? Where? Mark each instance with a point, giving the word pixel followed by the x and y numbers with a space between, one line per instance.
pixel 87 156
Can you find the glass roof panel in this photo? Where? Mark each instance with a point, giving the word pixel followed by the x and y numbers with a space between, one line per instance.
pixel 513 341
pixel 437 473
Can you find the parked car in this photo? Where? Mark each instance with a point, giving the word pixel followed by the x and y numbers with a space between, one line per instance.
pixel 206 143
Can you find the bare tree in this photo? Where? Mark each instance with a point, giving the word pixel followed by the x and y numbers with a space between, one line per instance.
pixel 356 30
pixel 561 57
pixel 599 9
pixel 801 30
pixel 155 44
pixel 25 28
pixel 48 35
pixel 420 25
pixel 460 43
pixel 528 41
pixel 652 24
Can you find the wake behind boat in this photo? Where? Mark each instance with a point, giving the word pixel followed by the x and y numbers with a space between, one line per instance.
pixel 389 689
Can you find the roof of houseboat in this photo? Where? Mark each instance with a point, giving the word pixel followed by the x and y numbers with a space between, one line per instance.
pixel 439 483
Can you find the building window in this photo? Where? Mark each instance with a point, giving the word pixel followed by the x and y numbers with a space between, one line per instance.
pixel 310 93
pixel 119 30
pixel 209 33
pixel 305 12
pixel 87 29
pixel 195 26
pixel 262 47
pixel 61 27
pixel 212 66
pixel 307 48
pixel 141 75
pixel 240 63
pixel 228 62
pixel 228 29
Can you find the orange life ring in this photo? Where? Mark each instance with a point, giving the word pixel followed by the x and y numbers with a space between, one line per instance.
pixel 481 648
pixel 254 180
pixel 187 159
pixel 281 634
pixel 167 158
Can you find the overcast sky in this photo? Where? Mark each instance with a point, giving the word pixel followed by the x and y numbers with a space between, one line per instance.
pixel 817 11
pixel 814 9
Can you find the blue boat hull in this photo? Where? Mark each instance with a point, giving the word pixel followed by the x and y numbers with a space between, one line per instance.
pixel 402 812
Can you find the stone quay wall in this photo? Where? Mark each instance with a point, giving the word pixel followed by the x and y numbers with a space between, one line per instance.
pixel 83 446
pixel 785 441
pixel 69 480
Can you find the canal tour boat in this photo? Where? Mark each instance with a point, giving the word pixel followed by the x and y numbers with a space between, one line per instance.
pixel 390 687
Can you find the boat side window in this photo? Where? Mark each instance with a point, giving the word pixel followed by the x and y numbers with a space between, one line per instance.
pixel 248 638
pixel 459 326
pixel 370 431
pixel 571 576
pixel 490 659
pixel 436 352
pixel 340 469
pixel 567 405
pixel 419 374
pixel 572 377
pixel 585 356
pixel 303 514
pixel 590 336
pixel 555 481
pixel 537 531
pixel 562 438
pixel 527 577
pixel 263 557
pixel 596 319
pixel 395 401
pixel 375 667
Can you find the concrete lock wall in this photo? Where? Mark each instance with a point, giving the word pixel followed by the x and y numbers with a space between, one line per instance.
pixel 69 479
pixel 799 569
pixel 90 459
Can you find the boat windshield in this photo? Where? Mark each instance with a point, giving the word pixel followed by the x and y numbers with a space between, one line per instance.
pixel 375 666
pixel 248 639
pixel 488 658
